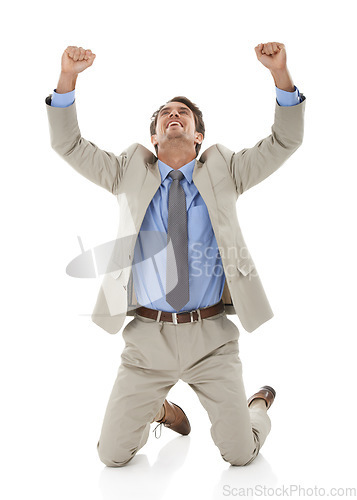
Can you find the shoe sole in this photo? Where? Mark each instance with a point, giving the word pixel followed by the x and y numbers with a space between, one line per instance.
pixel 183 413
pixel 269 389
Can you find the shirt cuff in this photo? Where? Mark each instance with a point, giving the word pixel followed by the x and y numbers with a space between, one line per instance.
pixel 286 98
pixel 62 100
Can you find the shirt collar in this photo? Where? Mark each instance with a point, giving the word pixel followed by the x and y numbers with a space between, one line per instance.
pixel 187 170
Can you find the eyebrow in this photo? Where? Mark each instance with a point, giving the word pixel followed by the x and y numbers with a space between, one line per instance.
pixel 181 107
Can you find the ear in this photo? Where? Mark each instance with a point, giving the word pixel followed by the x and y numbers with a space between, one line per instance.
pixel 198 138
pixel 154 141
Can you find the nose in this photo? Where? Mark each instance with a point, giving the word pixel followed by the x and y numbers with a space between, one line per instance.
pixel 174 112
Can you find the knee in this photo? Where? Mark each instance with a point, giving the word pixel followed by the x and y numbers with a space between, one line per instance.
pixel 241 462
pixel 238 461
pixel 108 460
pixel 240 458
pixel 112 463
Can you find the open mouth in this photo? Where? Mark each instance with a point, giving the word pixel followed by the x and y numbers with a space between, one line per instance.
pixel 173 124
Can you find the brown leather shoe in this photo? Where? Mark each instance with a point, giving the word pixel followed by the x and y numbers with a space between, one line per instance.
pixel 174 418
pixel 267 393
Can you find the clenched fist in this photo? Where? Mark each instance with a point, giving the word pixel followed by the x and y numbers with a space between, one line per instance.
pixel 76 59
pixel 272 55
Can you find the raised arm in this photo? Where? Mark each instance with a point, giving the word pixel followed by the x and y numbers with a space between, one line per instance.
pixel 101 167
pixel 250 166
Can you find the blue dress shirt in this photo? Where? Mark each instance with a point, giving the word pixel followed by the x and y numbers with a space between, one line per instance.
pixel 206 274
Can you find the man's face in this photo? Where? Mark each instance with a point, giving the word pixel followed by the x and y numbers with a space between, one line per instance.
pixel 176 122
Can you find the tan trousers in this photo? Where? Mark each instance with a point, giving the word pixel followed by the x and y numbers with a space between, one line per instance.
pixel 205 355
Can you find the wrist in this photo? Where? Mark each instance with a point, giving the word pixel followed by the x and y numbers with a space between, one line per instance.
pixel 66 82
pixel 283 80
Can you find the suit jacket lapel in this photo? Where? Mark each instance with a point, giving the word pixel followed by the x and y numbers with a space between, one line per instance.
pixel 148 189
pixel 202 180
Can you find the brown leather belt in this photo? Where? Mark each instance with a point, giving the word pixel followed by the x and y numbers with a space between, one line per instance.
pixel 182 317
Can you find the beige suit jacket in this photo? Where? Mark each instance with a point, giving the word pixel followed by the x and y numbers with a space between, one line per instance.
pixel 220 175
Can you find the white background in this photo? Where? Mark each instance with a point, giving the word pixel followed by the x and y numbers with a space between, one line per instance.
pixel 57 367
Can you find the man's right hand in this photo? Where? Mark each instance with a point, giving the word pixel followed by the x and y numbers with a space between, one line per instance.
pixel 76 59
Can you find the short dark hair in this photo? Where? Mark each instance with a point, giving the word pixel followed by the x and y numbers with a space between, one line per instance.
pixel 200 126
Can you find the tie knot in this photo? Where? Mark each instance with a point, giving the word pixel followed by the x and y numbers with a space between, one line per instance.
pixel 176 175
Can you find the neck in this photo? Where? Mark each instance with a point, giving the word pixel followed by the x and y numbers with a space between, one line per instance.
pixel 175 157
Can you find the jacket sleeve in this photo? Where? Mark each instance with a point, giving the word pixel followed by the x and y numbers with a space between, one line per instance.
pixel 250 166
pixel 101 167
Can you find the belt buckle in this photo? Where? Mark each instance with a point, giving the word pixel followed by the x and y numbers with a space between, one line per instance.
pixel 174 316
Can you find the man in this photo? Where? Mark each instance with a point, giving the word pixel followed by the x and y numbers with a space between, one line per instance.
pixel 180 287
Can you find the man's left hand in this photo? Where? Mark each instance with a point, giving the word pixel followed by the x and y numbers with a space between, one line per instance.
pixel 272 55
